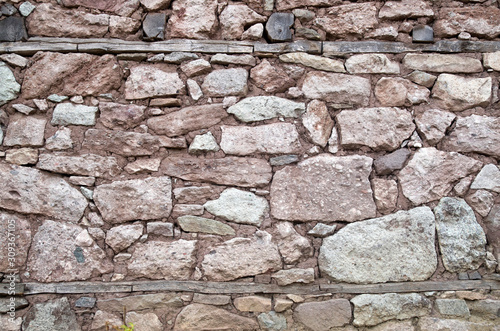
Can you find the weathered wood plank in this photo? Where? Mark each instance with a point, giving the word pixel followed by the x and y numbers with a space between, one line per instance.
pixel 411 286
pixel 313 47
pixel 5 290
pixel 77 287
pixel 30 48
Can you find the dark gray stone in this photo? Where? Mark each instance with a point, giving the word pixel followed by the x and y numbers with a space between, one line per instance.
pixel 463 276
pixel 13 29
pixel 474 275
pixel 154 26
pixel 8 9
pixel 386 164
pixel 283 159
pixel 278 27
pixel 307 33
pixel 85 302
pixel 19 303
pixel 423 34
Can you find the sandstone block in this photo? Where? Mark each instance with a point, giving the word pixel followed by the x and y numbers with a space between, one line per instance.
pixel 253 304
pixel 371 64
pixel 313 61
pixel 492 61
pixel 458 93
pixel 146 81
pixel 160 228
pixel 196 67
pixel 385 193
pixel 265 107
pixel 120 116
pixel 324 187
pixel 123 26
pixel 293 247
pixel 225 59
pixel 347 20
pixel 25 131
pixel 396 247
pixel 442 63
pixel 85 165
pixel 290 276
pixel 323 315
pixel 22 156
pixel 271 78
pixel 121 142
pixel 135 199
pixel 123 236
pixel 195 194
pixel 422 78
pixel 143 165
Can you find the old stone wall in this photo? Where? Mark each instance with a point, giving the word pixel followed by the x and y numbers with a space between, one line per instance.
pixel 251 165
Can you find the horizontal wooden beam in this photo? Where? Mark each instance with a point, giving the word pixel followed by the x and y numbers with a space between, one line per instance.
pixel 328 48
pixel 248 288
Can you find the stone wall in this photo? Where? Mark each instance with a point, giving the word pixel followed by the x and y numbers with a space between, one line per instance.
pixel 228 182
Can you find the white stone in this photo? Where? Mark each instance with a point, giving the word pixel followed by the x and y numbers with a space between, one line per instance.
pixel 203 143
pixel 290 276
pixel 371 64
pixel 433 124
pixel 392 248
pixel 457 93
pixel 322 230
pixel 147 81
pixel 254 32
pixel 60 140
pixel 225 82
pixel 266 107
pixel 194 89
pixel 122 236
pixel 9 87
pixel 26 8
pixel 492 60
pixel 293 247
pixel 488 178
pixel 84 239
pixel 314 61
pixel 23 109
pixel 70 114
pixel 239 206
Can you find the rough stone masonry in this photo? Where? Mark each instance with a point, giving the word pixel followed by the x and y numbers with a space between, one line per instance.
pixel 250 165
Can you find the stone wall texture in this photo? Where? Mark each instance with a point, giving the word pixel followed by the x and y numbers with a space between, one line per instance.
pixel 268 161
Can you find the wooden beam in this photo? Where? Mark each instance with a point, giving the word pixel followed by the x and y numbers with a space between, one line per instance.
pixel 6 290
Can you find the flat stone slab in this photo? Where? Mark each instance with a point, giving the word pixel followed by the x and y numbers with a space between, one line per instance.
pixel 126 143
pixel 31 191
pixel 461 239
pixel 163 260
pixel 324 188
pixel 393 248
pixel 371 64
pixel 261 256
pixel 198 316
pixel 84 165
pixel 450 63
pixel 235 171
pixel 56 257
pixel 146 81
pixel 313 61
pixel 70 114
pixel 226 82
pixel 431 174
pixel 378 128
pixel 118 116
pixel 135 199
pixel 276 138
pixel 266 107
pixel 338 88
pixel 190 223
pixel 25 131
pixel 457 93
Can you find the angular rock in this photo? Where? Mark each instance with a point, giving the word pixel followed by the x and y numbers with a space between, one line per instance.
pixel 154 26
pixel 190 223
pixel 397 10
pixel 325 188
pixel 51 21
pixel 480 134
pixel 196 67
pixel 22 235
pixel 55 315
pixel 234 19
pixel 283 160
pixel 193 19
pixel 254 32
pixel 278 27
pixel 322 230
pixel 234 171
pixel 433 124
pixel 253 304
pixel 225 59
pixel 146 81
pixel 123 26
pixel 198 316
pixel 25 131
pixel 442 63
pixel 488 178
pixel 203 143
pixel 265 107
pixel 185 209
pixel 490 60
pixel 378 128
pixel 261 256
pixel 216 300
pixel 85 165
pixel 6 304
pixel 385 193
pixel 30 191
pixel 9 88
pixel 179 57
pixel 120 116
pixel 26 110
pixel 318 122
pixel 431 174
pixel 272 321
pixel 141 302
pixel 22 156
pixel 121 142
pixel 153 5
pixel 56 257
pixel 481 201
pixel 12 29
pixel 487 309
pixel 323 315
pixel 71 74
pixel 187 119
pixel 379 250
pixel 225 82
pixel 338 88
pixel 143 165
pixel 371 64
pixel 148 321
pixel 348 20
pixel 290 276
pixel 307 33
pixel 239 206
pixel 458 93
pixel 280 305
pixel 422 34
pixel 14 60
pixel 101 319
pixel 452 307
pixel 276 138
pixel 373 309
pixel 313 61
pixel 195 194
pixel 293 247
pixel 123 236
pixel 135 199
pixel 163 260
pixel 70 114
pixel 422 78
pixel 461 239
pixel 399 92
pixel 270 78
pixel 479 21
pixel 194 89
pixel 160 228
pixel 120 7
